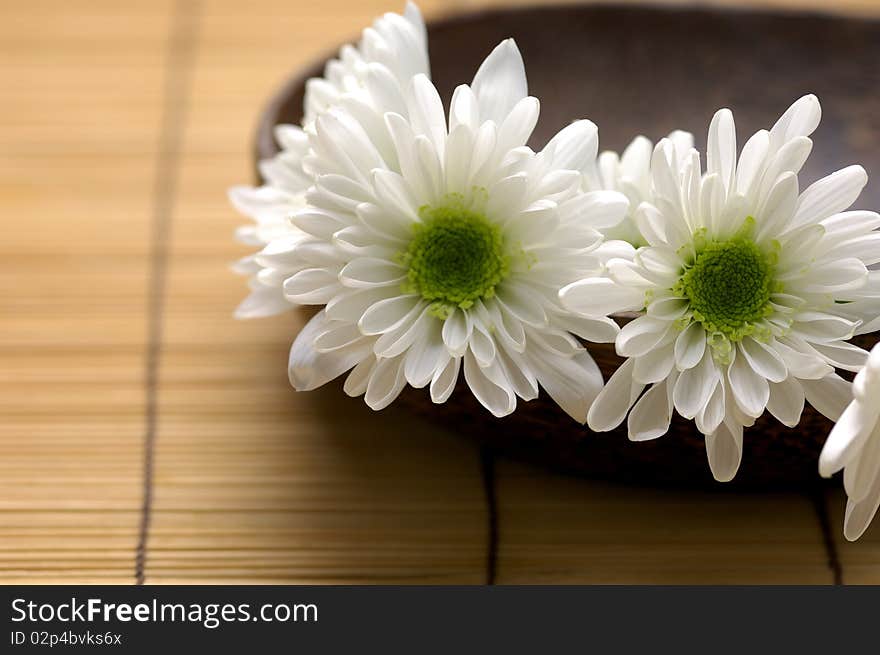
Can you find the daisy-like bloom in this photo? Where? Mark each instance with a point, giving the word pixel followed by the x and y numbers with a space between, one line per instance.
pixel 747 289
pixel 441 245
pixel 392 50
pixel 854 446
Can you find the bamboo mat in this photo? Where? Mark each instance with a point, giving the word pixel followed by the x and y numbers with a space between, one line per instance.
pixel 145 436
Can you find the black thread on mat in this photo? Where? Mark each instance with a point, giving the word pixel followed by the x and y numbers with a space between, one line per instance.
pixel 487 469
pixel 179 58
pixel 819 497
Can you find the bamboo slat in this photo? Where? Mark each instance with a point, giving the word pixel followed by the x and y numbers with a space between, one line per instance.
pixel 78 136
pixel 254 482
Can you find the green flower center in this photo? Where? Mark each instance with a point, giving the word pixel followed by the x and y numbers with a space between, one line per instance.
pixel 456 257
pixel 728 285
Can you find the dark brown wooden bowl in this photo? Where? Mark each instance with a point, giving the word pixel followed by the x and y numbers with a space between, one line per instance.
pixel 649 71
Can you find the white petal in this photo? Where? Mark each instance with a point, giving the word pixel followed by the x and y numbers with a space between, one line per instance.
pixel 710 417
pixel 778 208
pixel 351 304
pixel 847 437
pixel 668 309
pixel 641 335
pixel 712 203
pixel 386 383
pixel 263 204
pixel 457 157
pixel 789 158
pixel 507 197
pixel 598 297
pixel 426 356
pixel 319 223
pixel 519 374
pixel 859 515
pixel 523 303
pixel 694 386
pixel 404 138
pixel 801 119
pixel 651 415
pixel 865 248
pixel 801 361
pixel 500 82
pixel 596 330
pixel 483 166
pixel 386 223
pixel 786 401
pixel 823 328
pixel 261 302
pixel 841 354
pixel 384 89
pixel 635 160
pixel 750 390
pixel 309 369
pixel 613 402
pixel 337 335
pixel 682 141
pixel 849 224
pixel 394 194
pixel 366 272
pixel 387 314
pixel 342 192
pixel 572 382
pixel 655 365
pixel 456 332
pixel 360 241
pixel 859 474
pixel 291 137
pixel 834 276
pixel 464 109
pixel 443 382
pixel 751 162
pixel 829 396
pixel 357 380
pixel 651 224
pixel 517 127
pixel 344 142
pixel 690 346
pixel 482 345
pixel 246 266
pixel 426 111
pixel 489 387
pixel 724 449
pixel 830 195
pixel 556 184
pixel 599 209
pixel 721 151
pixel 574 146
pixel 313 286
pixel 763 359
pixel 396 341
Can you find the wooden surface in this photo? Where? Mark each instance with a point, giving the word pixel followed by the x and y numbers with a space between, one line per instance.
pixel 122 125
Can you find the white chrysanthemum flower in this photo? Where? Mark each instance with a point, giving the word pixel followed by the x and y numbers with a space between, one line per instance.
pixel 747 290
pixel 854 446
pixel 390 52
pixel 439 246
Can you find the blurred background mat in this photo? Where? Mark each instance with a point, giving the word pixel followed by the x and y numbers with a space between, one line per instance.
pixel 146 436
